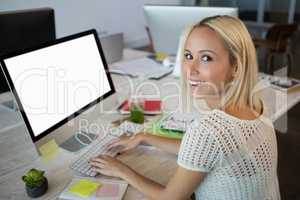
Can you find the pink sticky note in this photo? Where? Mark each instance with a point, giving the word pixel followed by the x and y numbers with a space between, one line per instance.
pixel 107 190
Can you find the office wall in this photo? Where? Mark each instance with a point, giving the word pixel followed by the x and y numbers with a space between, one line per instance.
pixel 113 16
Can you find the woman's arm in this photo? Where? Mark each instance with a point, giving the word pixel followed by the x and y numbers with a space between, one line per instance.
pixel 167 144
pixel 183 183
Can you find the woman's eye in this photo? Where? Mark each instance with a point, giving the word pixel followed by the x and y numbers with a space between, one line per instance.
pixel 188 56
pixel 206 58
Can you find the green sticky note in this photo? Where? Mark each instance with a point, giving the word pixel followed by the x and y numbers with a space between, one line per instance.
pixel 84 188
pixel 49 150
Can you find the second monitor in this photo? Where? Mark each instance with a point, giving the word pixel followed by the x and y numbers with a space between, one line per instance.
pixel 22 29
pixel 167 23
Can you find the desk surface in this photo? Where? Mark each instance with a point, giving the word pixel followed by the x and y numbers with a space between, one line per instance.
pixel 17 153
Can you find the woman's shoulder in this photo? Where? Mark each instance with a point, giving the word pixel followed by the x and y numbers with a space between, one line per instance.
pixel 213 118
pixel 223 126
pixel 219 124
pixel 211 123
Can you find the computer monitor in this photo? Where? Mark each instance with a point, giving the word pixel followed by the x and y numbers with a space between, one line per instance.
pixel 167 23
pixel 22 29
pixel 55 82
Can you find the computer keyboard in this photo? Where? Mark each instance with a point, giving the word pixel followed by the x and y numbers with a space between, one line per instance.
pixel 82 165
pixel 98 147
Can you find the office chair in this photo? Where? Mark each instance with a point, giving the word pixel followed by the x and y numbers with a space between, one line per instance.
pixel 277 42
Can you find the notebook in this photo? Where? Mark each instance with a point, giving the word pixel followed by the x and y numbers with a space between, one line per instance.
pixel 156 130
pixel 81 188
pixel 172 125
pixel 177 121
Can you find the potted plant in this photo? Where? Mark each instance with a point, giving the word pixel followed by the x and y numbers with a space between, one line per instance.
pixel 36 183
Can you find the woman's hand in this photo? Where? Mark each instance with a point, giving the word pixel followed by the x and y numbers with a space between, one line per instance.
pixel 109 166
pixel 128 142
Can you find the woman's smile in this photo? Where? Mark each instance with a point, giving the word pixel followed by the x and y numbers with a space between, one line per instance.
pixel 197 82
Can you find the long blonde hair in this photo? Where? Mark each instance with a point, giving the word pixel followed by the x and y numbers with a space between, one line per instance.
pixel 242 55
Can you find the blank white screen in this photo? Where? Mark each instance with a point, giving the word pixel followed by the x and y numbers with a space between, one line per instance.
pixel 54 82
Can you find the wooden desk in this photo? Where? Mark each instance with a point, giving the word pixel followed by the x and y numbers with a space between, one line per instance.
pixel 17 152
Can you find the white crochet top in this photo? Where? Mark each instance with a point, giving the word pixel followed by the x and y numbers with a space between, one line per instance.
pixel 239 157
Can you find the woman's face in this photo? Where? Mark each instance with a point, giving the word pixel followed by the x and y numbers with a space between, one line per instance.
pixel 206 64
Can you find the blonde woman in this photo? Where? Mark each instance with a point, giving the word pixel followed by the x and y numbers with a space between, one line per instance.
pixel 230 151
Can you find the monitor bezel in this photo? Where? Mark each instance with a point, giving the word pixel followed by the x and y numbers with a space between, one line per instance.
pixel 48 44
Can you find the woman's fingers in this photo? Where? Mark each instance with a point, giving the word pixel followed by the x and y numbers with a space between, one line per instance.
pixel 101 164
pixel 97 165
pixel 110 144
pixel 107 165
pixel 103 171
pixel 115 143
pixel 114 140
pixel 99 159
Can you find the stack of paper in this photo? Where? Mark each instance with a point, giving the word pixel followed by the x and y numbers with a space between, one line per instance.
pixel 142 67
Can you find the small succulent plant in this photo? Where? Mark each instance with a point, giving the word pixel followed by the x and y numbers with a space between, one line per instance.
pixel 34 178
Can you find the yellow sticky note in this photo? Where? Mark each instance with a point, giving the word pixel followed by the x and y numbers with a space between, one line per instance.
pixel 84 188
pixel 160 56
pixel 49 150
